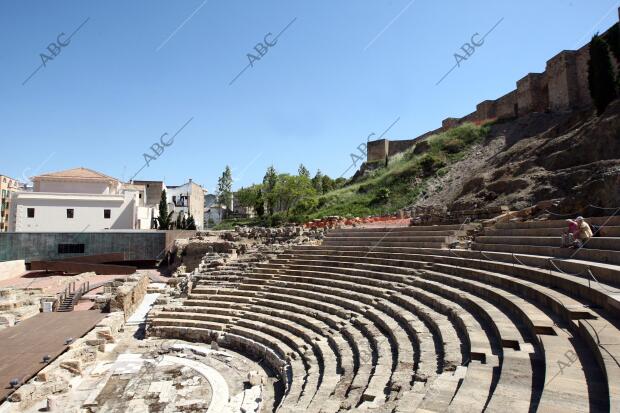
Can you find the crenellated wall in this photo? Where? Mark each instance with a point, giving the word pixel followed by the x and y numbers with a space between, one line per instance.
pixel 563 86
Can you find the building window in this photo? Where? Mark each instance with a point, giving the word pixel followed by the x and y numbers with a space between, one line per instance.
pixel 140 196
pixel 30 212
pixel 70 213
pixel 107 213
pixel 71 248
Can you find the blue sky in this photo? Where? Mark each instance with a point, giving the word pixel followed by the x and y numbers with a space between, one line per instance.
pixel 341 71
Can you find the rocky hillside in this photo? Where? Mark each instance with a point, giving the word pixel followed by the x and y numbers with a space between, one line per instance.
pixel 574 157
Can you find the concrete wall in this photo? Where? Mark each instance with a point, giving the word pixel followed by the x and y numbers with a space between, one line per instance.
pixel 11 269
pixel 29 246
pixel 88 212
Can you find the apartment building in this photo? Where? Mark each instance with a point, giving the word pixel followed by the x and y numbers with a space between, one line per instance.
pixel 8 185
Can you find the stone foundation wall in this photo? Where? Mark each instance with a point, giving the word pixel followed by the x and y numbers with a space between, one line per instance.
pixel 129 295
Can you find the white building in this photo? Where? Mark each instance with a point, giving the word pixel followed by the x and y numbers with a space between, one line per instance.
pixel 187 199
pixel 78 200
pixel 213 213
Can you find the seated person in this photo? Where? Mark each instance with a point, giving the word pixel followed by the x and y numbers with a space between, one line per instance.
pixel 568 238
pixel 584 232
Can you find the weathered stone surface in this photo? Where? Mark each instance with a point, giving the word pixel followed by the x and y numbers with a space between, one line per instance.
pixel 129 294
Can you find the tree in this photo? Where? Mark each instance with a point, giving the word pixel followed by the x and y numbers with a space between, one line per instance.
pixel 164 219
pixel 190 223
pixel 251 197
pixel 291 189
pixel 327 184
pixel 317 182
pixel 224 187
pixel 340 182
pixel 269 184
pixel 600 74
pixel 178 224
pixel 246 197
pixel 303 171
pixel 259 204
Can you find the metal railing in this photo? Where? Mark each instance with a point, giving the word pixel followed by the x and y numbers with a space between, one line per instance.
pixel 75 294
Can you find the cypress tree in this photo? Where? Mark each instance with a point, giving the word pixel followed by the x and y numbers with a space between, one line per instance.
pixel 600 74
pixel 163 219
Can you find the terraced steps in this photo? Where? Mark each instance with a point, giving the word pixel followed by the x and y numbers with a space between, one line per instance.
pixel 388 320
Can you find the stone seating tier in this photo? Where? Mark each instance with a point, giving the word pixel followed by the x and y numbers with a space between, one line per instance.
pixel 389 319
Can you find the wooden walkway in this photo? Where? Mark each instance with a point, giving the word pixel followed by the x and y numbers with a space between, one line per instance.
pixel 22 347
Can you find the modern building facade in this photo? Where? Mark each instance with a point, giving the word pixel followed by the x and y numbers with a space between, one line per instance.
pixel 8 185
pixel 78 200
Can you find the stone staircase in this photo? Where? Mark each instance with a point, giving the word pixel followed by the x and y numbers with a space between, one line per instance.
pixel 390 320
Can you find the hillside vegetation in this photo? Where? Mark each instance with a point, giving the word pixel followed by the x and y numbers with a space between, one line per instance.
pixel 385 189
pixel 380 189
pixel 572 157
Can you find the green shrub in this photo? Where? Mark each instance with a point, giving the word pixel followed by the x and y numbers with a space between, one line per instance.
pixel 430 164
pixel 305 206
pixel 276 219
pixel 382 196
pixel 453 145
pixel 363 189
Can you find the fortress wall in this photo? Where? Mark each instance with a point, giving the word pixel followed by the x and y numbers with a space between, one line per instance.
pixel 395 147
pixel 562 86
pixel 507 105
pixel 377 150
pixel 428 134
pixel 448 123
pixel 487 109
pixel 583 90
pixel 472 117
pixel 532 93
pixel 562 80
